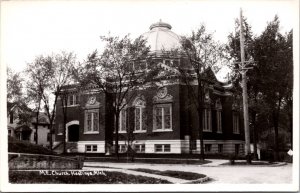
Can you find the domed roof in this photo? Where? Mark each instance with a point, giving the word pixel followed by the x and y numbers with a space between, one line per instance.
pixel 161 38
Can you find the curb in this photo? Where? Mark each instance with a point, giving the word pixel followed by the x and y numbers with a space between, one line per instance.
pixel 250 165
pixel 198 181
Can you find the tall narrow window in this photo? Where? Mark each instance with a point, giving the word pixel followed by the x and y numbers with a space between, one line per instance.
pixel 218 107
pixel 206 120
pixel 91 121
pixel 158 117
pixel 219 121
pixel 163 117
pixel 122 120
pixel 235 118
pixel 96 122
pixel 140 115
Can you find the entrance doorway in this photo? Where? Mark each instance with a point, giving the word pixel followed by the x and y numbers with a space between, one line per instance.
pixel 73 133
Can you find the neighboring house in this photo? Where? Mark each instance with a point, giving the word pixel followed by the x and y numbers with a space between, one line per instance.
pixel 26 131
pixel 43 133
pixel 15 128
pixel 164 120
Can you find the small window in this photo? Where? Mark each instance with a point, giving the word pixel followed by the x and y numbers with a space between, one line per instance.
pixel 158 148
pixel 207 147
pixel 35 137
pixel 9 132
pixel 91 148
pixel 162 147
pixel 94 147
pixel 139 148
pixel 167 148
pixel 73 100
pixel 220 148
pixel 88 148
pixel 122 148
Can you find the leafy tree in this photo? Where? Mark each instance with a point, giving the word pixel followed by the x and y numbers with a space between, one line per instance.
pixel 14 86
pixel 115 73
pixel 37 76
pixel 48 75
pixel 255 102
pixel 202 54
pixel 273 55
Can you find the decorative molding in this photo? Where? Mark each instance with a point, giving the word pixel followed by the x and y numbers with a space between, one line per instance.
pixel 139 101
pixel 235 105
pixel 206 96
pixel 162 96
pixel 218 104
pixel 92 102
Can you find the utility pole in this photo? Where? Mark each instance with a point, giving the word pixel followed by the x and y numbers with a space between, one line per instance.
pixel 245 95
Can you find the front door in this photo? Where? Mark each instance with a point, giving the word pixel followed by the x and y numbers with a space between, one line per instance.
pixel 73 133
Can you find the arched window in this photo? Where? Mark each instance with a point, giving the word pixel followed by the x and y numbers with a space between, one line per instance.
pixel 139 114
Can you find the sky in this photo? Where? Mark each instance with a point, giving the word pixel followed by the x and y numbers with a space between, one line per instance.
pixel 32 28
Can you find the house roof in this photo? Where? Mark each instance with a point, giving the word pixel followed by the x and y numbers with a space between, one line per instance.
pixel 43 118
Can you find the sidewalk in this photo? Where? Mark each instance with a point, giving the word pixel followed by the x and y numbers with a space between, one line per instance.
pixel 215 162
pixel 226 174
pixel 138 173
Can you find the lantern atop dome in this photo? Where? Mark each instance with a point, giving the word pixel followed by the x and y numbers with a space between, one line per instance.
pixel 160 24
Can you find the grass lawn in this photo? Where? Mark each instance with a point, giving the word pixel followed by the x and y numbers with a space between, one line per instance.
pixel 174 174
pixel 108 177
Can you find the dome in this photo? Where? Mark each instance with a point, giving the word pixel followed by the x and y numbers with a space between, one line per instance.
pixel 160 37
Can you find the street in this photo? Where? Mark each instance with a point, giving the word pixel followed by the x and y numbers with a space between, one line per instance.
pixel 219 174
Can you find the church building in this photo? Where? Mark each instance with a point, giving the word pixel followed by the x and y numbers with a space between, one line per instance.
pixel 165 120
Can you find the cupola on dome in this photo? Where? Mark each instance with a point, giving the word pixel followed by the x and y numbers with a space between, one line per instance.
pixel 161 38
